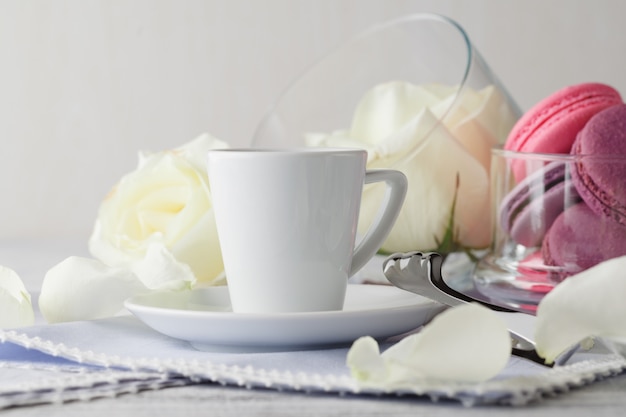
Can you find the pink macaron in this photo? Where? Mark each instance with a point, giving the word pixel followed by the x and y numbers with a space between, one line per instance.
pixel 552 124
pixel 599 172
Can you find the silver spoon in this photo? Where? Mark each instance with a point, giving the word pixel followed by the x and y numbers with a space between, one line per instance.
pixel 420 273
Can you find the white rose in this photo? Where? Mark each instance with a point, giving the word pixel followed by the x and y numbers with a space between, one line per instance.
pixel 165 200
pixel 442 143
pixel 16 309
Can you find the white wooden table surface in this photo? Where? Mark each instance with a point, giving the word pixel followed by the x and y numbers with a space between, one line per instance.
pixel 605 398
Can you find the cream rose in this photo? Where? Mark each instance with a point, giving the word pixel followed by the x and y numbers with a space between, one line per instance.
pixel 16 309
pixel 165 200
pixel 441 139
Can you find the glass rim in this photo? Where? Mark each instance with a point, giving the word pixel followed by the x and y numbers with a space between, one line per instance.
pixel 302 150
pixel 362 36
pixel 549 157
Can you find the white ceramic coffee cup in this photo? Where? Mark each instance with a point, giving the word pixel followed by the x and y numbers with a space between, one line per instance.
pixel 287 220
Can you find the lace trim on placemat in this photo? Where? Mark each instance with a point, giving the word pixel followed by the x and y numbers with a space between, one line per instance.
pixel 47 367
pixel 516 390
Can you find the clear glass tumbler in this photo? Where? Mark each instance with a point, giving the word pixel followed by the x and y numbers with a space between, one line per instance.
pixel 553 216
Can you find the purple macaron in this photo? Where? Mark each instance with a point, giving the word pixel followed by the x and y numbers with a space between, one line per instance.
pixel 600 168
pixel 529 209
pixel 580 238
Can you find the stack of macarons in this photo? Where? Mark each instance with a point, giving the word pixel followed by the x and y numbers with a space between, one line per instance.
pixel 573 207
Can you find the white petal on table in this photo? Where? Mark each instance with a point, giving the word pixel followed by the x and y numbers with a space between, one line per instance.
pixel 84 289
pixel 16 309
pixel 590 303
pixel 468 343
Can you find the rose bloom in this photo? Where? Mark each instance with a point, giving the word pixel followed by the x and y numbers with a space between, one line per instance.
pixel 441 139
pixel 165 200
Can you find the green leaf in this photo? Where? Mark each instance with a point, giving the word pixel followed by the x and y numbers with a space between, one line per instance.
pixel 449 242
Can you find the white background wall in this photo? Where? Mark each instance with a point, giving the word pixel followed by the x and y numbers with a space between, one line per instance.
pixel 85 84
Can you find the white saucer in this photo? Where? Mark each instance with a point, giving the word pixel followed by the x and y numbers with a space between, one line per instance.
pixel 204 318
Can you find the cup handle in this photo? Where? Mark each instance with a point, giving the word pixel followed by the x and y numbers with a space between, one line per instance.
pixel 385 218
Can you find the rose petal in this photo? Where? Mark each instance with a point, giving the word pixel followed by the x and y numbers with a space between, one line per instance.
pixel 16 309
pixel 468 343
pixel 196 151
pixel 590 303
pixel 365 361
pixel 388 107
pixel 83 289
pixel 200 249
pixel 159 270
pixel 479 121
pixel 336 139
